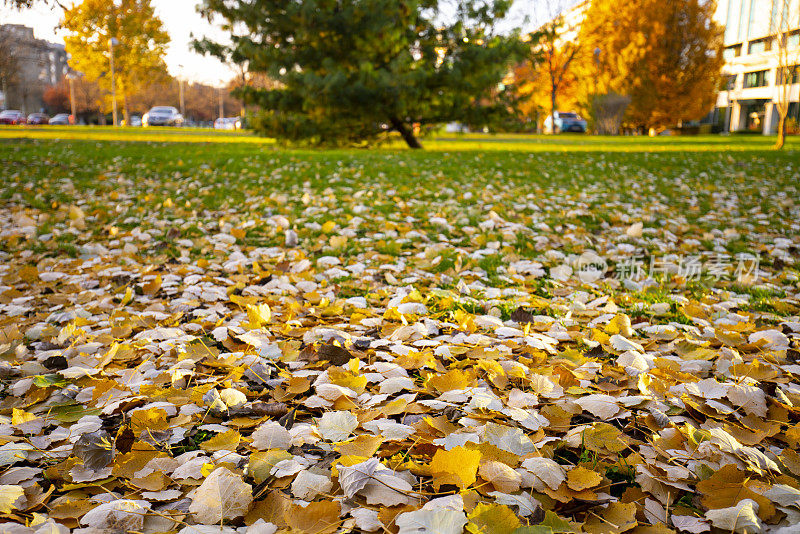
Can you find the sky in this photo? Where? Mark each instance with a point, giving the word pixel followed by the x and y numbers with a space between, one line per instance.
pixel 182 20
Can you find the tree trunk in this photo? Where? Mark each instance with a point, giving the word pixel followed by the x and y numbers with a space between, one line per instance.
pixel 553 110
pixel 125 114
pixel 405 132
pixel 781 131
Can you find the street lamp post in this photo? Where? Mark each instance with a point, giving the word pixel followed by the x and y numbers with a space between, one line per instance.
pixel 111 44
pixel 181 92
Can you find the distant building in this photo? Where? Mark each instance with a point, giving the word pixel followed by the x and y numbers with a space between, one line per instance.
pixel 747 100
pixel 28 67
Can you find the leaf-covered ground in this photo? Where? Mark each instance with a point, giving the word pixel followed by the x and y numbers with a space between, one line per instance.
pixel 495 335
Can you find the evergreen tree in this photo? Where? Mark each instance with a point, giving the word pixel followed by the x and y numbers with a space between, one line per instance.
pixel 348 70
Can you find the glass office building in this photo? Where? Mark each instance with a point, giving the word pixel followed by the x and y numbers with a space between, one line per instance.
pixel 752 83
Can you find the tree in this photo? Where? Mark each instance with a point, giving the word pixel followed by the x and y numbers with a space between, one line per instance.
pixel 90 100
pixel 787 70
pixel 348 70
pixel 555 47
pixel 57 98
pixel 21 4
pixel 201 101
pixel 139 56
pixel 666 56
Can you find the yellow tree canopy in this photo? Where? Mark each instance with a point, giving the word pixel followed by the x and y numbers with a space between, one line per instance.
pixel 534 84
pixel 666 56
pixel 139 54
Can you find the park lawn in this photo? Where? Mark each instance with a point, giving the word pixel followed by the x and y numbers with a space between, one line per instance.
pixel 432 309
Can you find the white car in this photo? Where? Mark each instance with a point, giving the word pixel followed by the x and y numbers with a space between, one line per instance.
pixel 228 123
pixel 162 116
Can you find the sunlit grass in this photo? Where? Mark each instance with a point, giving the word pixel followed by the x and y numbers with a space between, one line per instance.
pixel 153 135
pixel 439 143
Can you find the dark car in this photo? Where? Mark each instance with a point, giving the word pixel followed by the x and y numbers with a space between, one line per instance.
pixel 62 119
pixel 38 119
pixel 13 117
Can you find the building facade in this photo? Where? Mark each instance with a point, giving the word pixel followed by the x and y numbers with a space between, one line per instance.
pixel 28 66
pixel 751 86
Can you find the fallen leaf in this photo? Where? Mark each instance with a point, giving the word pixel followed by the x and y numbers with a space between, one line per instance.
pixel 222 495
pixel 740 518
pixel 458 466
pixel 579 478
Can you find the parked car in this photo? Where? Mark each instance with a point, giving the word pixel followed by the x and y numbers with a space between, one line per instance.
pixel 62 119
pixel 228 123
pixel 162 116
pixel 136 121
pixel 565 122
pixel 13 117
pixel 38 119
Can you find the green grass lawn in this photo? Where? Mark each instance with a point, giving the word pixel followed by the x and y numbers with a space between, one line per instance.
pixel 578 182
pixel 725 194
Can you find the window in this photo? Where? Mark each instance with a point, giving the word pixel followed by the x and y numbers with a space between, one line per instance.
pixel 731 33
pixel 732 52
pixel 756 79
pixel 794 75
pixel 762 45
pixel 760 21
pixel 793 41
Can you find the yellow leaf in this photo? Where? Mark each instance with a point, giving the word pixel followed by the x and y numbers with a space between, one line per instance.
pixel 620 324
pixel 207 469
pixel 258 315
pixel 21 416
pixel 365 445
pixel 792 434
pixel 338 241
pixel 243 301
pixel 127 298
pixel 76 213
pixel 272 509
pixel 227 441
pixel 328 227
pixel 262 462
pixel 8 497
pixel 494 519
pixel 580 478
pixel 458 466
pixel 455 379
pixel 347 379
pixel 319 517
pixel 602 437
pixel 416 360
pixel 151 420
pixel 152 287
pixel 618 517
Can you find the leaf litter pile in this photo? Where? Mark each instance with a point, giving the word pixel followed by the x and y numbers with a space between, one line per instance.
pixel 359 343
